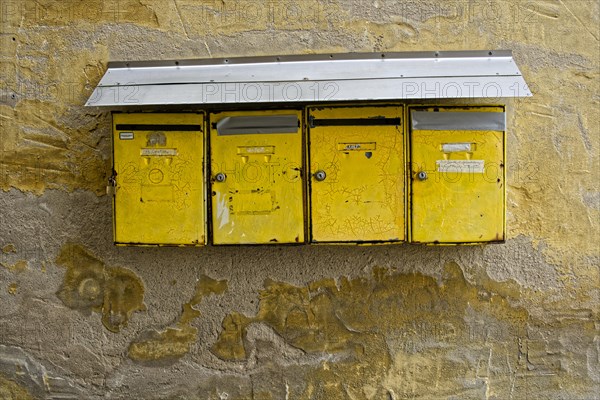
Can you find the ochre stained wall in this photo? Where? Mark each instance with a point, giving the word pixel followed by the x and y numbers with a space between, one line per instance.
pixel 82 318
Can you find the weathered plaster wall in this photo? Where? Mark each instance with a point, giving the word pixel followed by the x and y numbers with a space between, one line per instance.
pixel 80 318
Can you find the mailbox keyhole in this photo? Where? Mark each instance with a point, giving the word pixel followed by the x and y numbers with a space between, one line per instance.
pixel 422 175
pixel 320 175
pixel 220 177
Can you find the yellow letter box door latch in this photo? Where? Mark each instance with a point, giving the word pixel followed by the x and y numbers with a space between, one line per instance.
pixel 159 179
pixel 356 173
pixel 256 177
pixel 457 174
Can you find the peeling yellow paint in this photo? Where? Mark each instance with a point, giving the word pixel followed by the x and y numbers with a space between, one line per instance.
pixel 10 390
pixel 19 266
pixel 230 345
pixel 174 342
pixel 90 285
pixel 207 286
pixel 394 328
pixel 12 288
pixel 171 343
pixel 326 317
pixel 9 248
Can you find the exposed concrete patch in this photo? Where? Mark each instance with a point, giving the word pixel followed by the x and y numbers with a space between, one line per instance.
pixel 175 342
pixel 520 260
pixel 23 376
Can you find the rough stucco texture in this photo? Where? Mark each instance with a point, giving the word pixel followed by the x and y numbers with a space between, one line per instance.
pixel 80 318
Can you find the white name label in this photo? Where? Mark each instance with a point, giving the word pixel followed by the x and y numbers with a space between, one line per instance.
pixel 461 166
pixel 125 135
pixel 158 152
pixel 456 147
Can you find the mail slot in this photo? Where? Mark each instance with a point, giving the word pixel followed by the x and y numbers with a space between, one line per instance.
pixel 457 174
pixel 158 179
pixel 257 177
pixel 357 173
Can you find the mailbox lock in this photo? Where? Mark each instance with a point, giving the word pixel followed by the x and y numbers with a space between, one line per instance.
pixel 422 175
pixel 320 175
pixel 220 177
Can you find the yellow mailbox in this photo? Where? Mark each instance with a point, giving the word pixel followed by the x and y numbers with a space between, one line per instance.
pixel 257 177
pixel 158 179
pixel 319 148
pixel 457 174
pixel 357 172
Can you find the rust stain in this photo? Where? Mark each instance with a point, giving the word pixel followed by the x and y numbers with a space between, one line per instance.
pixel 89 285
pixel 175 341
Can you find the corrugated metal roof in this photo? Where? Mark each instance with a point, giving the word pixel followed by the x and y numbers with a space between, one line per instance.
pixel 312 78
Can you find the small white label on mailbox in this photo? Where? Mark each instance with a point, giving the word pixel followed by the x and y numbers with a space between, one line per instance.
pixel 158 152
pixel 456 147
pixel 256 150
pixel 125 135
pixel 461 166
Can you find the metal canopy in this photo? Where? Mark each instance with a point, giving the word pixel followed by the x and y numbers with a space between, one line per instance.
pixel 312 78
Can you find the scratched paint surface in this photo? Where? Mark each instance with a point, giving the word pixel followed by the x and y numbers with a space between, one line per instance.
pixel 261 197
pixel 361 197
pixel 458 204
pixel 159 182
pixel 517 320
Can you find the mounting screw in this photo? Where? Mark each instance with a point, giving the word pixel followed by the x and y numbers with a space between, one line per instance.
pixel 320 175
pixel 220 177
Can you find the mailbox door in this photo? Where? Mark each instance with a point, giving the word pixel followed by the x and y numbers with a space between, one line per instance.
pixel 159 179
pixel 256 177
pixel 357 172
pixel 457 174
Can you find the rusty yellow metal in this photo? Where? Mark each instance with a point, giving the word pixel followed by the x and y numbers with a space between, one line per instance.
pixel 159 185
pixel 457 180
pixel 257 177
pixel 356 157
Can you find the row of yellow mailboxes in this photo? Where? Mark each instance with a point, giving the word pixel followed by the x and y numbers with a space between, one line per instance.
pixel 322 174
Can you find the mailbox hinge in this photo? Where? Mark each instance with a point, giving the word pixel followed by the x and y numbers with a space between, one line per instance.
pixel 112 183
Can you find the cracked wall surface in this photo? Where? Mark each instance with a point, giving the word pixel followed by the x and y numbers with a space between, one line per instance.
pixel 81 318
